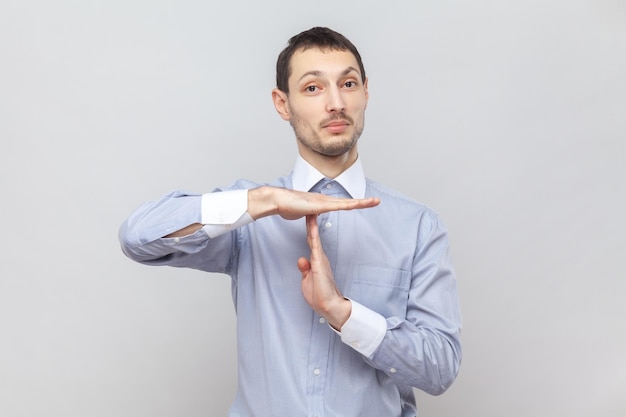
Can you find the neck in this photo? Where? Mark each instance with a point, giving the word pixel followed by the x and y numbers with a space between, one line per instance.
pixel 330 166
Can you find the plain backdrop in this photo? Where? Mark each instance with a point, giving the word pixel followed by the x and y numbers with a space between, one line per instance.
pixel 506 117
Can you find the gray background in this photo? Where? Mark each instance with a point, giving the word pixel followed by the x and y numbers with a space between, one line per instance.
pixel 506 117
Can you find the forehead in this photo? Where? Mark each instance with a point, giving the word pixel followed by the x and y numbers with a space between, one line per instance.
pixel 324 62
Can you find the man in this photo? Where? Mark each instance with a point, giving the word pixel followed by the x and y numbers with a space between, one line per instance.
pixel 344 293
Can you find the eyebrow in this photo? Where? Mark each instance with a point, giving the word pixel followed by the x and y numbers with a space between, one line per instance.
pixel 317 73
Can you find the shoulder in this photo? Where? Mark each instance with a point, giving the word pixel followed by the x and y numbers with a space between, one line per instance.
pixel 245 184
pixel 403 208
pixel 377 189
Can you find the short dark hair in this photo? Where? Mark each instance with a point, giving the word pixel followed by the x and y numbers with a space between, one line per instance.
pixel 317 37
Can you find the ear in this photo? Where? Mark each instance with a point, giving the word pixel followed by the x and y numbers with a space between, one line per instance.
pixel 281 103
pixel 367 94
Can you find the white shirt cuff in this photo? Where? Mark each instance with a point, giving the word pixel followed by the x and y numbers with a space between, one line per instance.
pixel 364 330
pixel 221 212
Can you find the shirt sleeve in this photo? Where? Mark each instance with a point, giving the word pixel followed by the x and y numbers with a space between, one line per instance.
pixel 142 235
pixel 364 330
pixel 224 211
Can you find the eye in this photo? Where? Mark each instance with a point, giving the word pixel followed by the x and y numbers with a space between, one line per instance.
pixel 350 84
pixel 313 89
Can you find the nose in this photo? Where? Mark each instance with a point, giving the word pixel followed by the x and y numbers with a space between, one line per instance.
pixel 335 103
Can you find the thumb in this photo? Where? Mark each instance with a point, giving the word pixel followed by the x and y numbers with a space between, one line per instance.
pixel 304 265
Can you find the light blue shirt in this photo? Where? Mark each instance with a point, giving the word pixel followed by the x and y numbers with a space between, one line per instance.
pixel 391 261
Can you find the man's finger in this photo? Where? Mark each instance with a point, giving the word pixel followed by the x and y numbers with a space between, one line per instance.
pixel 350 204
pixel 304 266
pixel 366 202
pixel 313 233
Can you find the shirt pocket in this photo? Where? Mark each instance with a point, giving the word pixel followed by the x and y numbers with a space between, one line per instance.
pixel 384 290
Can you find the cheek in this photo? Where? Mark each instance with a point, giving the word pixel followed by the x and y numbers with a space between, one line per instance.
pixel 357 104
pixel 359 111
pixel 304 114
pixel 363 101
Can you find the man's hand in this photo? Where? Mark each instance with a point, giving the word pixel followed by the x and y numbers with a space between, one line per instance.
pixel 318 283
pixel 291 204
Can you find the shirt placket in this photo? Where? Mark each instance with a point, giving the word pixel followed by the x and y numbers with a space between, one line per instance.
pixel 321 335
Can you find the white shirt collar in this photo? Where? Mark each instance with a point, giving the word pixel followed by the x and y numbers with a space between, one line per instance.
pixel 305 176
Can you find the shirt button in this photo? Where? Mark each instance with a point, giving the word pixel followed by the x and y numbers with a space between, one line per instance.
pixel 392 370
pixel 355 344
pixel 329 186
pixel 316 371
pixel 176 240
pixel 328 225
pixel 322 320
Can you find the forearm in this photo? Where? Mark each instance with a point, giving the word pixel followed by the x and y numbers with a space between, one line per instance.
pixel 188 230
pixel 159 218
pixel 427 358
pixel 140 235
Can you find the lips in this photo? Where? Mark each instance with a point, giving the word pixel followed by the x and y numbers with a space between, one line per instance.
pixel 337 126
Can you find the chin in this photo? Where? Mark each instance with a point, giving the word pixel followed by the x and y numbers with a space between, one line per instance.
pixel 334 151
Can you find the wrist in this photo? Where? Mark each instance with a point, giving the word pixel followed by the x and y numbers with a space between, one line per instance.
pixel 339 314
pixel 261 202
